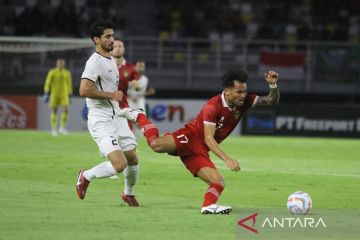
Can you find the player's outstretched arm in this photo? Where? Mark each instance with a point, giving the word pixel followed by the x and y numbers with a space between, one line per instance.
pixel 150 91
pixel 273 97
pixel 135 85
pixel 89 90
pixel 209 132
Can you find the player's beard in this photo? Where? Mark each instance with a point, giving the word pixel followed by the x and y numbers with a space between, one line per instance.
pixel 107 48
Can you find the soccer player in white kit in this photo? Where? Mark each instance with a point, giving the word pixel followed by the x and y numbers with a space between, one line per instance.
pixel 99 84
pixel 136 96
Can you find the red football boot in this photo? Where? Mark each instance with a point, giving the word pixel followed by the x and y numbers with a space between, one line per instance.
pixel 82 184
pixel 130 199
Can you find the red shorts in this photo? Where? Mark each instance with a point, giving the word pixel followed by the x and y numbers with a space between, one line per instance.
pixel 192 150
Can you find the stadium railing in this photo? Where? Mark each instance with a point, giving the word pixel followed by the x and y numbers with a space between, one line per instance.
pixel 195 64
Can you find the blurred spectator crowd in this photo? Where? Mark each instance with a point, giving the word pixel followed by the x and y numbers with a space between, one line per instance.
pixel 329 20
pixel 325 20
pixel 55 18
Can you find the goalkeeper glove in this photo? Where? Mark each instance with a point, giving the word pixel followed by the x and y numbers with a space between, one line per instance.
pixel 46 97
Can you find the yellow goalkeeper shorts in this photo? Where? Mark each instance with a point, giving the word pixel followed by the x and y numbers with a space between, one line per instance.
pixel 55 101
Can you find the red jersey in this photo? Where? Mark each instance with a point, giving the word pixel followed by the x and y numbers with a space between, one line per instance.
pixel 217 112
pixel 127 73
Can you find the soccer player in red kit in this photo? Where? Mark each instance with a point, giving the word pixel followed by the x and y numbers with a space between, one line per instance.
pixel 216 120
pixel 127 71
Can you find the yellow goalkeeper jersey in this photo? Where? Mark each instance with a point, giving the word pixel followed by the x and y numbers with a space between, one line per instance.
pixel 58 82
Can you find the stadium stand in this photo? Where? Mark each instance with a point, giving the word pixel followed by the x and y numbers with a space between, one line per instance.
pixel 260 19
pixel 188 44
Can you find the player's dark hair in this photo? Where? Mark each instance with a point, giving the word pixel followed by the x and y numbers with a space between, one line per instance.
pixel 97 28
pixel 227 80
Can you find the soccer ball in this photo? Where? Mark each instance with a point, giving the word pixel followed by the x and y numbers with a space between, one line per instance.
pixel 299 203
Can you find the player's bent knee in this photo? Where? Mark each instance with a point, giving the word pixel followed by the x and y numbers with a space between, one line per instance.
pixel 219 181
pixel 131 157
pixel 120 166
pixel 133 160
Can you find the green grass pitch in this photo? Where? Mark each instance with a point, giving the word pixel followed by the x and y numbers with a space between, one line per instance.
pixel 38 176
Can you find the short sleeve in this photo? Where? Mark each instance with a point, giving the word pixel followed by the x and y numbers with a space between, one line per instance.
pixel 209 113
pixel 90 71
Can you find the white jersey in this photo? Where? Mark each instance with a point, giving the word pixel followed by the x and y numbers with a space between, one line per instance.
pixel 136 99
pixel 104 73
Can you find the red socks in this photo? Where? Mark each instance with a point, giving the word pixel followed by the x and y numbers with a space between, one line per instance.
pixel 147 128
pixel 213 193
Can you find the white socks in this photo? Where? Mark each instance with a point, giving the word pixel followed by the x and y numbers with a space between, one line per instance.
pixel 104 169
pixel 131 174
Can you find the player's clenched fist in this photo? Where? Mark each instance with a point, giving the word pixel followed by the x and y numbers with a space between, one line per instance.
pixel 271 77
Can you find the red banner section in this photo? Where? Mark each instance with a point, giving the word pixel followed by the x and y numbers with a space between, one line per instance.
pixel 18 111
pixel 282 59
pixel 288 65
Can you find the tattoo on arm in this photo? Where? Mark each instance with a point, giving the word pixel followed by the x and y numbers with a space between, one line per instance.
pixel 271 99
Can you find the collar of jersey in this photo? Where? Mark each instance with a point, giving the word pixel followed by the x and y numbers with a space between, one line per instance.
pixel 103 56
pixel 224 102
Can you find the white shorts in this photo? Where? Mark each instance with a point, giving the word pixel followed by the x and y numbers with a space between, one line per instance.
pixel 113 134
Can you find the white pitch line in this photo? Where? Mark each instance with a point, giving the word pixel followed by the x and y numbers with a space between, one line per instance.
pixel 219 166
pixel 306 173
pixel 291 172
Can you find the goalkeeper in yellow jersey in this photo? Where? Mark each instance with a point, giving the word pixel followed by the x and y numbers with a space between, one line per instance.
pixel 57 92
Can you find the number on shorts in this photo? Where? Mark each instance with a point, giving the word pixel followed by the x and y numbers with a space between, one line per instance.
pixel 114 141
pixel 184 138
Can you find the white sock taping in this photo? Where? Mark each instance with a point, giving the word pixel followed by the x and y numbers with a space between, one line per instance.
pixel 103 170
pixel 131 174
